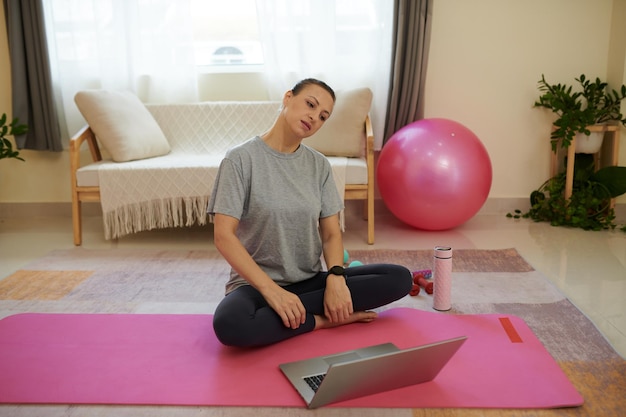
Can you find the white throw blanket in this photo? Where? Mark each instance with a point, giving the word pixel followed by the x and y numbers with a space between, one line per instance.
pixel 168 191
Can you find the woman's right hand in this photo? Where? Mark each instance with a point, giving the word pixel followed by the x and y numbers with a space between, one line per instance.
pixel 286 304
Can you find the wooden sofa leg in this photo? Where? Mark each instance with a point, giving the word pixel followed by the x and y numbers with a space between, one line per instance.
pixel 77 221
pixel 370 221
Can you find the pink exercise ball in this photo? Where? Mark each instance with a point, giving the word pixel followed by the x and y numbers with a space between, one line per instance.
pixel 434 174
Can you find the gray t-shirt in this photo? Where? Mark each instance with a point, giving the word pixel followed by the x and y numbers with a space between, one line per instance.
pixel 278 199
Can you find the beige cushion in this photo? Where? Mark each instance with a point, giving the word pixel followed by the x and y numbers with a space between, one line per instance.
pixel 343 133
pixel 122 124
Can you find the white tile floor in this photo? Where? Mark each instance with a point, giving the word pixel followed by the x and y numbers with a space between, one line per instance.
pixel 589 267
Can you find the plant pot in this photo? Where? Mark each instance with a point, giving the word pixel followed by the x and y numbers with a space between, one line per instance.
pixel 589 143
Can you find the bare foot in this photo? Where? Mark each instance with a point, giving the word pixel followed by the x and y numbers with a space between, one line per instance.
pixel 321 322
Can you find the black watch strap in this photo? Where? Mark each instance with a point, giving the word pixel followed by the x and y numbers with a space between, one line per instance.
pixel 337 270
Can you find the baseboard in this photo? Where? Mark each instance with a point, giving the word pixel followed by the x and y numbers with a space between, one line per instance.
pixel 493 206
pixel 503 206
pixel 509 205
pixel 38 210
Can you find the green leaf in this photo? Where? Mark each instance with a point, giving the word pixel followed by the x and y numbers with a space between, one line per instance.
pixel 536 197
pixel 613 178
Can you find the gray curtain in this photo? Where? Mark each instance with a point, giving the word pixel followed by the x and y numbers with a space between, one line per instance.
pixel 412 22
pixel 33 100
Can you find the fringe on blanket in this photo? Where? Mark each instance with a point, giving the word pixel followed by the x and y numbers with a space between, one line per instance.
pixel 156 214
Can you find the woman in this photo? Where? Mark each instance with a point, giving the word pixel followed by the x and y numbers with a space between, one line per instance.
pixel 275 209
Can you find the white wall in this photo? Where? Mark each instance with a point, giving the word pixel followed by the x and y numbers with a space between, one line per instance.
pixel 486 57
pixel 485 60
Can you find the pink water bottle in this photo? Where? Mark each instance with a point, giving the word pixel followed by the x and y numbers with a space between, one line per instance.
pixel 442 278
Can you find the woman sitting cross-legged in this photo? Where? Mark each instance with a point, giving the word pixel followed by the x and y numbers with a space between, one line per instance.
pixel 275 209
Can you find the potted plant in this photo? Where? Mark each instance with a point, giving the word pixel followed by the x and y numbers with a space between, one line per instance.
pixel 577 110
pixel 589 207
pixel 11 129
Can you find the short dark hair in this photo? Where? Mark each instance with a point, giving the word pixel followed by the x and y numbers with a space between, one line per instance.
pixel 312 81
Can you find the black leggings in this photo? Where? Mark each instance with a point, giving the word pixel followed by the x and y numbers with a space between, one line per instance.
pixel 243 318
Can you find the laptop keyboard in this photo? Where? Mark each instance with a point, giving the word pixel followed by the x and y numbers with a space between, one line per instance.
pixel 314 381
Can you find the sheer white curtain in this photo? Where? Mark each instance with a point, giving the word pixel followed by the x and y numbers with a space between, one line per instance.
pixel 147 46
pixel 346 43
pixel 144 46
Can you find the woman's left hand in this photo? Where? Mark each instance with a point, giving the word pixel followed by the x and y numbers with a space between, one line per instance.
pixel 337 299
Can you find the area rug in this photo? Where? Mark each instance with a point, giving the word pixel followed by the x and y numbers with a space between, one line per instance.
pixel 191 282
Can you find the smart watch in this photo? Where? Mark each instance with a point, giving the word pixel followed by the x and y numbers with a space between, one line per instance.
pixel 337 270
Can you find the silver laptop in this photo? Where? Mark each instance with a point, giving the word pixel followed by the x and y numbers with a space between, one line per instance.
pixel 356 373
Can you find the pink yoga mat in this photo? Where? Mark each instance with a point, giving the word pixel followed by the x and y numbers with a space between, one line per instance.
pixel 176 359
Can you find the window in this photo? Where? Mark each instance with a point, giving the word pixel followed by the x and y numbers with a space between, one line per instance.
pixel 162 49
pixel 226 33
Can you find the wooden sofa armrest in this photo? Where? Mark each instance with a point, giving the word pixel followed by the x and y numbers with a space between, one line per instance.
pixel 80 194
pixel 369 158
pixel 369 149
pixel 76 141
pixel 365 192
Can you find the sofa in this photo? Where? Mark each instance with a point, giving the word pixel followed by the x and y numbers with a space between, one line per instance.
pixel 153 166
